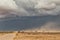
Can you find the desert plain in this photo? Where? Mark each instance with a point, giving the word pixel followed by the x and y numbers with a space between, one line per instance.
pixel 29 35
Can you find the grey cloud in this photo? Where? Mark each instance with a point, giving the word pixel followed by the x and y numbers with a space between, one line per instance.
pixel 31 7
pixel 39 7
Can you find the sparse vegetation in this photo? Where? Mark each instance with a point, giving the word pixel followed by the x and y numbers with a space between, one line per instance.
pixel 36 35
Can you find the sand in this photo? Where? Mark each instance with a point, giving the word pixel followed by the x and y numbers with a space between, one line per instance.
pixel 30 36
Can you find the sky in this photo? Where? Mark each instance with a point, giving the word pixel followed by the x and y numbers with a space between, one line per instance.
pixel 47 10
pixel 39 7
pixel 30 7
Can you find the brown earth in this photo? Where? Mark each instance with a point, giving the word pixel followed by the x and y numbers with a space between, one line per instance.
pixel 31 35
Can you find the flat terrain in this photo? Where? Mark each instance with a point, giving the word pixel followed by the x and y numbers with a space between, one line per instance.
pixel 30 35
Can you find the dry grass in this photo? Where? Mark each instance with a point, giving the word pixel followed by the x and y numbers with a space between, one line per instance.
pixel 35 35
